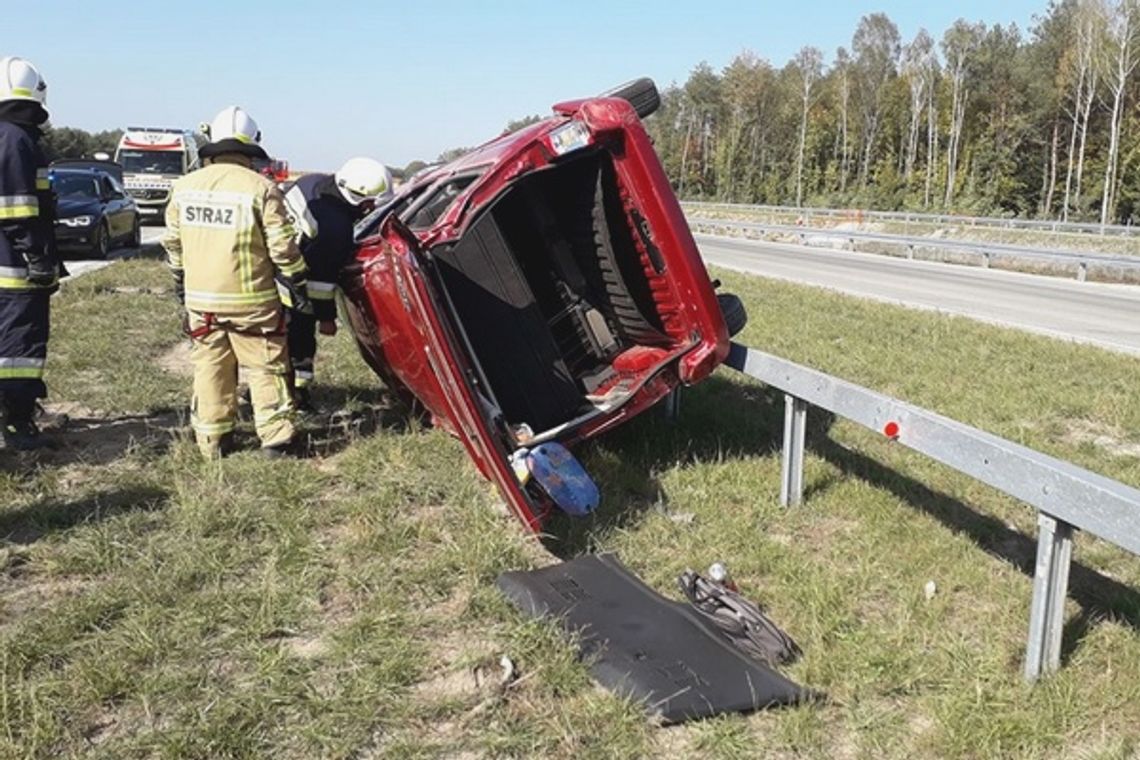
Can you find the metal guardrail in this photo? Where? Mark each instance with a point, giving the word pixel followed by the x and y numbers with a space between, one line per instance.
pixel 987 251
pixel 1044 225
pixel 1065 496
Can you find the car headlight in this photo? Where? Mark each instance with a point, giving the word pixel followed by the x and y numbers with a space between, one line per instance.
pixel 77 221
pixel 569 137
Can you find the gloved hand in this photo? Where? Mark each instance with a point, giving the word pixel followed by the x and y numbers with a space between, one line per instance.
pixel 43 270
pixel 298 293
pixel 327 327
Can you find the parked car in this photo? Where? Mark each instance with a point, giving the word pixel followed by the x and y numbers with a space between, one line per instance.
pixel 544 288
pixel 93 212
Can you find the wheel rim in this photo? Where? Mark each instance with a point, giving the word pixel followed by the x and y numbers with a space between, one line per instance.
pixel 101 242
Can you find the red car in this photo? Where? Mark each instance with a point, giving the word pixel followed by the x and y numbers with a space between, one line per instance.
pixel 542 288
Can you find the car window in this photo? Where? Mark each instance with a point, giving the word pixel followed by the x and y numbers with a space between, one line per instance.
pixel 75 186
pixel 108 188
pixel 428 211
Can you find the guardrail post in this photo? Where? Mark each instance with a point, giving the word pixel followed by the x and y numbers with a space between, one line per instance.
pixel 795 427
pixel 985 259
pixel 1050 584
pixel 1082 271
pixel 910 251
pixel 851 242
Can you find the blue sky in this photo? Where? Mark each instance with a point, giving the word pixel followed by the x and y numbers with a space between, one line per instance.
pixel 407 80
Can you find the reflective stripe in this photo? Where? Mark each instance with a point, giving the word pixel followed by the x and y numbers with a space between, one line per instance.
pixel 22 361
pixel 43 182
pixel 292 269
pixel 327 287
pixel 16 278
pixel 212 428
pixel 21 368
pixel 322 293
pixel 236 299
pixel 21 92
pixel 19 206
pixel 303 218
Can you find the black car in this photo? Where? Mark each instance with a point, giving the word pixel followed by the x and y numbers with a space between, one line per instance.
pixel 94 212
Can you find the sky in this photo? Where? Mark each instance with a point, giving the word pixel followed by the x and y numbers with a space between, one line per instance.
pixel 407 80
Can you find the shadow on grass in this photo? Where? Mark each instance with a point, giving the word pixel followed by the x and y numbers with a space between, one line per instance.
pixel 719 420
pixel 1097 594
pixel 31 523
pixel 97 441
pixel 348 413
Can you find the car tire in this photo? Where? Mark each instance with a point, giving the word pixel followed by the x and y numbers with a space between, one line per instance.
pixel 135 239
pixel 101 245
pixel 640 93
pixel 733 311
pixel 620 301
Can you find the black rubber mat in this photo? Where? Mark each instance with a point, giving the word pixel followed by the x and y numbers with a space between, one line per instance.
pixel 642 645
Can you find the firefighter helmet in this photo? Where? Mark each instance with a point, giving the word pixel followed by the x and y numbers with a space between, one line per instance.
pixel 363 178
pixel 233 131
pixel 20 80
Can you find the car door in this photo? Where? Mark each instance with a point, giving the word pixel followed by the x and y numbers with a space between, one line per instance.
pixel 468 416
pixel 118 208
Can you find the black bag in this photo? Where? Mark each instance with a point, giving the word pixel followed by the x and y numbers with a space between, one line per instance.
pixel 741 621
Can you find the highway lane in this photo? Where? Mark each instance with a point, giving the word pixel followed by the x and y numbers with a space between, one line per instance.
pixel 1105 315
pixel 150 236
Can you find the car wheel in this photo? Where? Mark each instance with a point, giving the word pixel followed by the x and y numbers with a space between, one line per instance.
pixel 621 303
pixel 732 308
pixel 641 93
pixel 101 245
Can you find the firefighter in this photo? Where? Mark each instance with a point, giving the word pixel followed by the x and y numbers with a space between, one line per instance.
pixel 29 268
pixel 324 208
pixel 230 247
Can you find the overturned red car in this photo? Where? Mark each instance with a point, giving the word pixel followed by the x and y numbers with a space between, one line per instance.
pixel 541 289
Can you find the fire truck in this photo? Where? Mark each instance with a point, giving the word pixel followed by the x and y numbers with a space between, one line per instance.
pixel 152 158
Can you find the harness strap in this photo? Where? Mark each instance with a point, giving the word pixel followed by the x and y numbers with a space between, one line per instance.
pixel 212 323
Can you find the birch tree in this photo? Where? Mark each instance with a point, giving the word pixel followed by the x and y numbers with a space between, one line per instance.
pixel 876 48
pixel 916 69
pixel 809 64
pixel 958 44
pixel 1117 60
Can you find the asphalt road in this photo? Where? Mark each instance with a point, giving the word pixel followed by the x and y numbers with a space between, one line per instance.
pixel 77 267
pixel 1085 312
pixel 1100 314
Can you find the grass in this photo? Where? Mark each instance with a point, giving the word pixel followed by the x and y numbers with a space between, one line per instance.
pixel 154 605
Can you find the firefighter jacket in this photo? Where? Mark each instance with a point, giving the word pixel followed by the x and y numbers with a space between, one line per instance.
pixel 27 209
pixel 323 221
pixel 228 238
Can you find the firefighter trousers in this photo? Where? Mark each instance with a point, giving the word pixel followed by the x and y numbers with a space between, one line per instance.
pixel 256 342
pixel 302 347
pixel 24 332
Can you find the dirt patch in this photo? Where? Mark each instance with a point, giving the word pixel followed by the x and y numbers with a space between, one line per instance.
pixel 75 435
pixel 1111 440
pixel 176 361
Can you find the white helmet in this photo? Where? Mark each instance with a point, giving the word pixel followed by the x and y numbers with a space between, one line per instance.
pixel 233 122
pixel 19 80
pixel 363 178
pixel 233 131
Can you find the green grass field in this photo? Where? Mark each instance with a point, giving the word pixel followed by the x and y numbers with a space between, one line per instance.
pixel 155 605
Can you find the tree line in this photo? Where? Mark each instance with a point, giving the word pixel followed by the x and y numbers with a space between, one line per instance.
pixel 984 120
